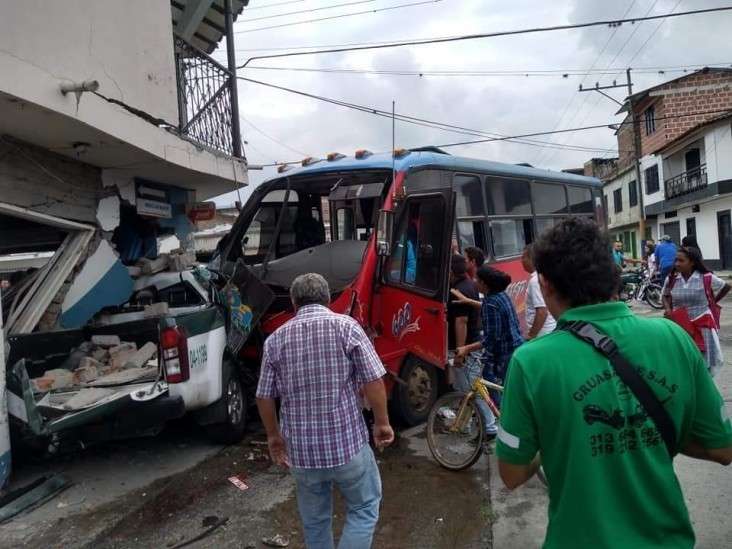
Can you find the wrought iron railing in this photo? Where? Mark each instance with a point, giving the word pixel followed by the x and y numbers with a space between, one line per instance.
pixel 204 98
pixel 687 182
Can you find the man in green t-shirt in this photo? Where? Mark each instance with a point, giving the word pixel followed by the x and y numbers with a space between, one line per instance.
pixel 611 480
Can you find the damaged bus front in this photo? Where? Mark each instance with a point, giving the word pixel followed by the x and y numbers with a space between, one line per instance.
pixel 380 228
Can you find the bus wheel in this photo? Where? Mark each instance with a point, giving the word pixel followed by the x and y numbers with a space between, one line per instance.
pixel 414 399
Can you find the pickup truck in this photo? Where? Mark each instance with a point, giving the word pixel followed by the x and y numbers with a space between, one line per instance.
pixel 189 319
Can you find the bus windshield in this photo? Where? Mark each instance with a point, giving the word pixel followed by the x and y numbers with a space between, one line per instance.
pixel 319 210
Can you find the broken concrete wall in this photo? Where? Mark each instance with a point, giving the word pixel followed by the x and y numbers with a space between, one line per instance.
pixel 49 183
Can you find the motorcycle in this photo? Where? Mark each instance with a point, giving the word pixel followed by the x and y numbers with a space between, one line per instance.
pixel 638 284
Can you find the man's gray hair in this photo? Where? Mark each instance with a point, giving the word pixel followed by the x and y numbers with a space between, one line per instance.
pixel 310 289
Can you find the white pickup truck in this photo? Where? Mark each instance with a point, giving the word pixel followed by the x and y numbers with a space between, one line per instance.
pixel 187 318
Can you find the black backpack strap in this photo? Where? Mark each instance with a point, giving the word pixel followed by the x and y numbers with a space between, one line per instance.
pixel 630 376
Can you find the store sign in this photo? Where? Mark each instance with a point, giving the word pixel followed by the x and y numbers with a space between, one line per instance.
pixel 202 211
pixel 154 208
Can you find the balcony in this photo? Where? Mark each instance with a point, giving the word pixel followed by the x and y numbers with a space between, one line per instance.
pixel 204 99
pixel 686 183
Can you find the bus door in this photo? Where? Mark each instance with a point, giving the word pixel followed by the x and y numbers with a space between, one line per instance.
pixel 412 298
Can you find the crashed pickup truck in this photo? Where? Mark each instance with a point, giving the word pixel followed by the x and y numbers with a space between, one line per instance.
pixel 161 354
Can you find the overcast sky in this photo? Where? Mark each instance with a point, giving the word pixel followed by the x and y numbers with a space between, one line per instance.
pixel 283 127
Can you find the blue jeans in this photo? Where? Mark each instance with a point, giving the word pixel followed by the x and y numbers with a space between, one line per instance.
pixel 464 379
pixel 360 485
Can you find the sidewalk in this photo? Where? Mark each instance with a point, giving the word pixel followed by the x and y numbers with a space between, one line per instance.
pixel 520 517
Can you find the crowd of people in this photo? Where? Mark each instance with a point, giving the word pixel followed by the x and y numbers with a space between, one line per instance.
pixel 691 292
pixel 567 406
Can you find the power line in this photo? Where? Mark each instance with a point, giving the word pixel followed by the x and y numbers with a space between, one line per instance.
pixel 583 128
pixel 306 11
pixel 566 130
pixel 617 55
pixel 564 73
pixel 273 139
pixel 612 22
pixel 268 6
pixel 389 8
pixel 409 119
pixel 650 37
pixel 572 97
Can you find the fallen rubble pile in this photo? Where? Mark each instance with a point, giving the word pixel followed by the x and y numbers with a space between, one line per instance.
pixel 105 361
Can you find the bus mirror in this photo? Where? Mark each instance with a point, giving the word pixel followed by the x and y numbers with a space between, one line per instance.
pixel 384 233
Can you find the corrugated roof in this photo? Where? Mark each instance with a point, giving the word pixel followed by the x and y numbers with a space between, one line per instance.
pixel 201 22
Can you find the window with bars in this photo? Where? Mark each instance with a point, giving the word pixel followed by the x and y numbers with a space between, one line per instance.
pixel 633 193
pixel 652 185
pixel 649 117
pixel 618 200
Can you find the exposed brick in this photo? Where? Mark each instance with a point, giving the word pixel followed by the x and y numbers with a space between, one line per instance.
pixel 105 340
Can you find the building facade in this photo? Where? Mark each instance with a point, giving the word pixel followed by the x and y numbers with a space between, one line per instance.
pixel 685 165
pixel 115 123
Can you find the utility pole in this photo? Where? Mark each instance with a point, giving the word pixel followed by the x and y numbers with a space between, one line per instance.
pixel 233 88
pixel 637 149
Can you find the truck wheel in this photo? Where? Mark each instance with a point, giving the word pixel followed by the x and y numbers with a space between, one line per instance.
pixel 414 399
pixel 234 400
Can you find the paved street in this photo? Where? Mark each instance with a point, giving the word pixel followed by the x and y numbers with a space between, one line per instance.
pixel 164 491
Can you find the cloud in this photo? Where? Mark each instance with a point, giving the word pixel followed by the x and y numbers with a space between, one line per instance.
pixel 505 104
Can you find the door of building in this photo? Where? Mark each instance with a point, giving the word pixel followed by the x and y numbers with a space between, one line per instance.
pixel 724 226
pixel 673 230
pixel 693 159
pixel 691 226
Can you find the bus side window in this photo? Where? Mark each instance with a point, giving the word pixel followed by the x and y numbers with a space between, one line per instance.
pixel 469 211
pixel 510 236
pixel 549 198
pixel 417 251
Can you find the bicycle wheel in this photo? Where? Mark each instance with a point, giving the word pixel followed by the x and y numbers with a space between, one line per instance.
pixel 456 443
pixel 654 296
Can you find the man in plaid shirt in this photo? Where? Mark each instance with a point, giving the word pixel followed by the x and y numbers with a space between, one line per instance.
pixel 316 364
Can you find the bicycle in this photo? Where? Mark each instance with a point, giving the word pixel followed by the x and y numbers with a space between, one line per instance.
pixel 455 426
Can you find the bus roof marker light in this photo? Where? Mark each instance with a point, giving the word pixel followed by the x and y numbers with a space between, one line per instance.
pixel 282 168
pixel 399 153
pixel 309 161
pixel 335 156
pixel 363 153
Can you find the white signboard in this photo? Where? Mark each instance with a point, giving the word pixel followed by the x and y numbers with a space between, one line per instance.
pixel 154 208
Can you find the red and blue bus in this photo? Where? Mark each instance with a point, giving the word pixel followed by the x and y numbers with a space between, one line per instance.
pixel 380 228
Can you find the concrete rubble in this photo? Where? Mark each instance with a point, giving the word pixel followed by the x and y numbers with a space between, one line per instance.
pixel 105 361
pixel 176 261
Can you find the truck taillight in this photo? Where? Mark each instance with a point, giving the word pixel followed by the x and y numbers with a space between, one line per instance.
pixel 174 345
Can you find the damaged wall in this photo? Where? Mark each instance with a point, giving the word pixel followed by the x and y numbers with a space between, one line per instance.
pixel 48 183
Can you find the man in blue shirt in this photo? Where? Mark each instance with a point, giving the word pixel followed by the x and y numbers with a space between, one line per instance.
pixel 665 256
pixel 618 256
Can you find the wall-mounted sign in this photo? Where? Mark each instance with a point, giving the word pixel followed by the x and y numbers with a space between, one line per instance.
pixel 154 208
pixel 202 211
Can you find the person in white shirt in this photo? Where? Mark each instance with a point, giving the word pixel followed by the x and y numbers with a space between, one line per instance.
pixel 539 320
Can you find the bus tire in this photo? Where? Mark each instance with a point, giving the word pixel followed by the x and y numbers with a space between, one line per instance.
pixel 414 398
pixel 234 401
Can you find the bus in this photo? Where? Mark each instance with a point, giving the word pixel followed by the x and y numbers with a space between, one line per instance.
pixel 381 228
